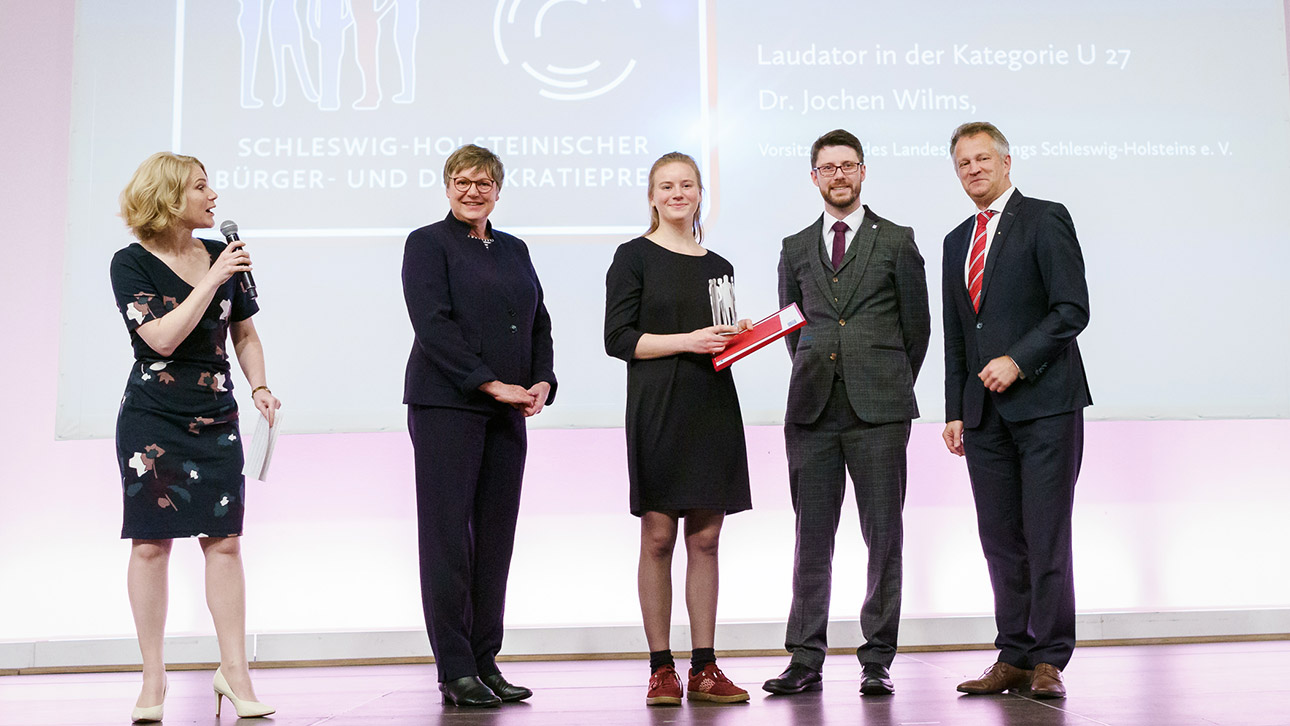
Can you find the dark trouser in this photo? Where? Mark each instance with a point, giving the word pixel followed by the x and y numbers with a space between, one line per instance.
pixel 469 467
pixel 1023 480
pixel 874 454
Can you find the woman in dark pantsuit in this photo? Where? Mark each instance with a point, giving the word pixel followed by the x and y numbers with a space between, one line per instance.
pixel 482 361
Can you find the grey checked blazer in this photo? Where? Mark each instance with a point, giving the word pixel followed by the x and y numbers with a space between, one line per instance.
pixel 867 323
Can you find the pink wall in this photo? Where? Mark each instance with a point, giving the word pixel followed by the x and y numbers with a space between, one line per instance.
pixel 1170 515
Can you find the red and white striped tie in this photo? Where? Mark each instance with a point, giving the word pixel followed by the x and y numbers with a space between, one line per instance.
pixel 976 270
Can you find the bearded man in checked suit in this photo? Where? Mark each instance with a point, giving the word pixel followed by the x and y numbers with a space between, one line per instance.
pixel 860 282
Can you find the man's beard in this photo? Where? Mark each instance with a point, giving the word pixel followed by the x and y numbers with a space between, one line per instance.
pixel 851 194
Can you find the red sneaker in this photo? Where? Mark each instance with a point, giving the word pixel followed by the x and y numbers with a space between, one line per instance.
pixel 710 684
pixel 664 688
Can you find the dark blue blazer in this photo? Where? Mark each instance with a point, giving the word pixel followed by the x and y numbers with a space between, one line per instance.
pixel 1034 302
pixel 477 315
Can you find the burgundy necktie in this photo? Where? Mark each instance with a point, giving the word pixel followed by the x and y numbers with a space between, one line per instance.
pixel 839 243
pixel 976 270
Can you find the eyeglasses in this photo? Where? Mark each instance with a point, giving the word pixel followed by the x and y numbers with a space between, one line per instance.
pixel 462 184
pixel 847 167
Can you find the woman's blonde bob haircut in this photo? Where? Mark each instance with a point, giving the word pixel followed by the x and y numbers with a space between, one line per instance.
pixel 676 157
pixel 155 196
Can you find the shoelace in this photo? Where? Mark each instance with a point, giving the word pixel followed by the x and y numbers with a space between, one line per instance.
pixel 991 670
pixel 714 674
pixel 656 678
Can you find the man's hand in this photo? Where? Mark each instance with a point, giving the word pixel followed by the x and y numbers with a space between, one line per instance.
pixel 953 435
pixel 999 373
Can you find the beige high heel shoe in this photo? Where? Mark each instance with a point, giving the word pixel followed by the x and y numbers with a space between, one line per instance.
pixel 245 709
pixel 141 714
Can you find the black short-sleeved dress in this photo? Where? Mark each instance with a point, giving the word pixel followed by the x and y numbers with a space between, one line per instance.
pixel 177 439
pixel 685 434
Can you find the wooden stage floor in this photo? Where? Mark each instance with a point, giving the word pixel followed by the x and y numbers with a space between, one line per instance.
pixel 1236 684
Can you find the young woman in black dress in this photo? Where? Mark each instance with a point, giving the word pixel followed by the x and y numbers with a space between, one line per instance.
pixel 178 443
pixel 686 455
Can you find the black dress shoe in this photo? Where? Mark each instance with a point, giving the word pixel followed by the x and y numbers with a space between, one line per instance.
pixel 795 679
pixel 875 680
pixel 469 692
pixel 504 689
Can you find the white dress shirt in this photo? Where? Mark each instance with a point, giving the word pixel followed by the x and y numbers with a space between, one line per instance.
pixel 853 220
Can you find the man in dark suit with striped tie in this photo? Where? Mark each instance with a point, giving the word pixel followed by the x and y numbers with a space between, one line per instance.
pixel 859 281
pixel 1015 299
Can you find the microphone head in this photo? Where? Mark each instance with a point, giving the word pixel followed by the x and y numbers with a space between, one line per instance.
pixel 228 228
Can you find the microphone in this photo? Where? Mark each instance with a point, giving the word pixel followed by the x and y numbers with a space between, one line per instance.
pixel 229 229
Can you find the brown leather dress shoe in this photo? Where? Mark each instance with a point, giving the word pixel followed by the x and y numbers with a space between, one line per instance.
pixel 997 679
pixel 1047 682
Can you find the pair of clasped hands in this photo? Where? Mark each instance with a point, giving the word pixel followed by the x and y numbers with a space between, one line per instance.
pixel 530 400
pixel 710 341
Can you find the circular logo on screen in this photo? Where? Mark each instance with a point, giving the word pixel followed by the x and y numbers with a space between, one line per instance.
pixel 573 49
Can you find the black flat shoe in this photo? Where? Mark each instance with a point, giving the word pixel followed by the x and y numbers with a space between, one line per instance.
pixel 468 692
pixel 504 689
pixel 795 679
pixel 875 680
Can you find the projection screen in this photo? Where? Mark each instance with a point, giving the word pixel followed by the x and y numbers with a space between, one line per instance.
pixel 1163 126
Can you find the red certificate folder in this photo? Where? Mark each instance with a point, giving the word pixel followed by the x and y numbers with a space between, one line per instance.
pixel 764 332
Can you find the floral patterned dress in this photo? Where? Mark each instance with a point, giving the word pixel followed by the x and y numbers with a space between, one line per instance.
pixel 177 440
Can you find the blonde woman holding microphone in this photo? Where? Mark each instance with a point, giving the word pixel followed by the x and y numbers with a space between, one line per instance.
pixel 178 444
